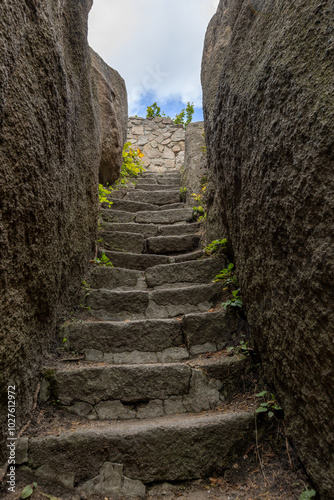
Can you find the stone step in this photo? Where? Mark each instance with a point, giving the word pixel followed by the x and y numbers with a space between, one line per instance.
pixel 172 206
pixel 155 340
pixel 116 278
pixel 166 303
pixel 123 392
pixel 148 230
pixel 215 328
pixel 117 216
pixel 138 261
pixel 194 272
pixel 129 206
pixel 179 229
pixel 197 254
pixel 234 372
pixel 154 187
pixel 165 216
pixel 170 448
pixel 175 181
pixel 146 182
pixel 198 271
pixel 172 244
pixel 158 175
pixel 154 197
pixel 114 337
pixel 122 242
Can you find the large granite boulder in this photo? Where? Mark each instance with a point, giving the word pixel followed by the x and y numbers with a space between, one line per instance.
pixel 112 117
pixel 268 82
pixel 49 158
pixel 194 174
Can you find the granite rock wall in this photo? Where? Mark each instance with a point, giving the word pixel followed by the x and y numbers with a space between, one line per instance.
pixel 49 158
pixel 113 117
pixel 268 83
pixel 195 170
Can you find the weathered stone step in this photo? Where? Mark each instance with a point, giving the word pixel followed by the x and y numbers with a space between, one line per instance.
pixel 116 278
pixel 174 180
pixel 141 262
pixel 144 341
pixel 194 272
pixel 234 372
pixel 160 215
pixel 148 230
pixel 208 331
pixel 179 229
pixel 112 392
pixel 197 254
pixel 169 448
pixel 165 303
pixel 122 242
pixel 172 244
pixel 130 206
pixel 154 187
pixel 198 271
pixel 158 175
pixel 115 337
pixel 165 216
pixel 172 206
pixel 117 216
pixel 136 261
pixel 154 197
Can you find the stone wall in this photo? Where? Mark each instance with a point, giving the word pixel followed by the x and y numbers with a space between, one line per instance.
pixel 267 74
pixel 50 150
pixel 160 139
pixel 112 118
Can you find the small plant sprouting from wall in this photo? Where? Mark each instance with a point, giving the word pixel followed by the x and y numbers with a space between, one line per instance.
pixel 103 193
pixel 183 193
pixel 215 247
pixel 269 405
pixel 102 261
pixel 132 165
pixel 198 209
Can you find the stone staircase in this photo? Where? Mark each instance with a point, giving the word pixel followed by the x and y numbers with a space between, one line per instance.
pixel 146 401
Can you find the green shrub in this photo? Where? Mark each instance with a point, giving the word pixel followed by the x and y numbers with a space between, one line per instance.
pixel 132 164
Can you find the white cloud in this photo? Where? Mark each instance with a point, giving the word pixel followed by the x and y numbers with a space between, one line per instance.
pixel 156 45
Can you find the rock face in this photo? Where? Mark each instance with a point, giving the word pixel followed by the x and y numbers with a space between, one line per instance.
pixel 113 117
pixel 267 74
pixel 195 172
pixel 49 156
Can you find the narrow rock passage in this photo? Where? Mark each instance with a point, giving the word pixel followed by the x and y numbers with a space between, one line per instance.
pixel 146 395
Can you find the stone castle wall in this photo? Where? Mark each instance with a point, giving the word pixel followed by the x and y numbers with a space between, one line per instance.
pixel 160 139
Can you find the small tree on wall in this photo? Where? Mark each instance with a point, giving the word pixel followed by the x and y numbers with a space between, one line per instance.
pixel 185 116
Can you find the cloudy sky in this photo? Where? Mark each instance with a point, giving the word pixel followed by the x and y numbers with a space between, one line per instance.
pixel 156 45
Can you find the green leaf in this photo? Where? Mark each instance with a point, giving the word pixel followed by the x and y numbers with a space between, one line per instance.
pixel 261 394
pixel 261 410
pixel 270 414
pixel 34 485
pixel 27 492
pixel 264 404
pixel 307 494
